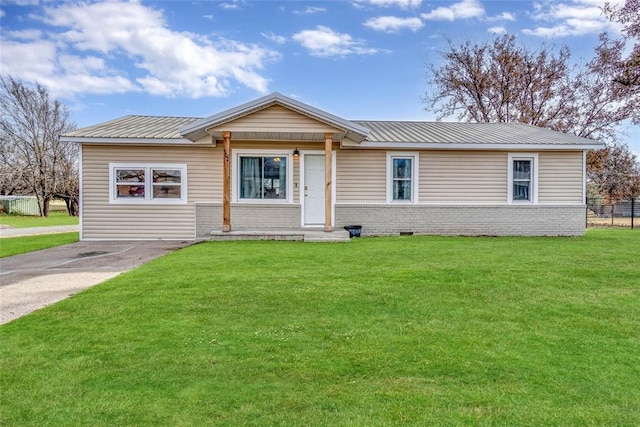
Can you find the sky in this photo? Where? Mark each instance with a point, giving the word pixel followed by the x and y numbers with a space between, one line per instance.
pixel 358 59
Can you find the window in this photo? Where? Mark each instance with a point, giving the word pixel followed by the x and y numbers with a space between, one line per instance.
pixel 402 177
pixel 167 183
pixel 522 180
pixel 140 184
pixel 523 172
pixel 262 176
pixel 130 183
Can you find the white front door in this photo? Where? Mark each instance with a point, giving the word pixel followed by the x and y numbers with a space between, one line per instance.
pixel 313 190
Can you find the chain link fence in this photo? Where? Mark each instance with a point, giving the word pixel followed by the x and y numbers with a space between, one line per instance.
pixel 622 214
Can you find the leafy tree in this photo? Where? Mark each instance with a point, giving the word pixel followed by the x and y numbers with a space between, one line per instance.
pixel 34 160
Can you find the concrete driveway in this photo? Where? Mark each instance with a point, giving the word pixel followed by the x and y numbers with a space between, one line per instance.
pixel 37 279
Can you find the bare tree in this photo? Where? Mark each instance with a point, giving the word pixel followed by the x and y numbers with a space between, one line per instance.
pixel 623 72
pixel 615 173
pixel 34 160
pixel 501 81
pixel 69 184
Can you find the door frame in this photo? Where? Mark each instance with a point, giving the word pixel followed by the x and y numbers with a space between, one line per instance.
pixel 303 153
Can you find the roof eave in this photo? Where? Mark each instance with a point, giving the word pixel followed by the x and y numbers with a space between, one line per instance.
pixel 144 141
pixel 469 146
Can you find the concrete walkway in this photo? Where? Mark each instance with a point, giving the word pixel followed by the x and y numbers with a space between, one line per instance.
pixel 33 231
pixel 36 279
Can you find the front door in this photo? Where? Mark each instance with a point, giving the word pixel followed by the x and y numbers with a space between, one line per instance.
pixel 313 191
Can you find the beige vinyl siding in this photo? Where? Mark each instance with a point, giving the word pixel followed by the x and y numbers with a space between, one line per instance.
pixel 560 177
pixel 101 220
pixel 463 177
pixel 361 176
pixel 276 119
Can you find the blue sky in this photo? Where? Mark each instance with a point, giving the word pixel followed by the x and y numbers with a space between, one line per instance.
pixel 359 59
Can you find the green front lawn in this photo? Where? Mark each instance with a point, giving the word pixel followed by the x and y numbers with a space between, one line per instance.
pixel 54 218
pixel 20 245
pixel 379 331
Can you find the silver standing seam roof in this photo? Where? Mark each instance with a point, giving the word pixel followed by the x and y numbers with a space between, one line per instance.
pixel 363 133
pixel 449 133
pixel 152 127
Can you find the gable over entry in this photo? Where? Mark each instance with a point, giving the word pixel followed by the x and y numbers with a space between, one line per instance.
pixel 275 118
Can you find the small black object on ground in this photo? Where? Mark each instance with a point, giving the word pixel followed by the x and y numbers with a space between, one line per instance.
pixel 354 230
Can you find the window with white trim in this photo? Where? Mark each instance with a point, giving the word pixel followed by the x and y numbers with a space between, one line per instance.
pixel 131 183
pixel 523 178
pixel 262 176
pixel 402 177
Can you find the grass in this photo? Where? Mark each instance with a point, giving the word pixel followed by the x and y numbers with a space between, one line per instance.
pixel 25 221
pixel 380 331
pixel 20 245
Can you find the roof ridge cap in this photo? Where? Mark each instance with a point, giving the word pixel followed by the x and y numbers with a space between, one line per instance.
pixel 159 116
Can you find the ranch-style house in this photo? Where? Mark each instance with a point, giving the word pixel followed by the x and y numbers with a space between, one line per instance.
pixel 278 165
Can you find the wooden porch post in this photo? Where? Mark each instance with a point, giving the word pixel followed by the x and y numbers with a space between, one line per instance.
pixel 328 173
pixel 226 183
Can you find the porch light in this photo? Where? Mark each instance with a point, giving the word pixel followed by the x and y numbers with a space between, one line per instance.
pixel 296 154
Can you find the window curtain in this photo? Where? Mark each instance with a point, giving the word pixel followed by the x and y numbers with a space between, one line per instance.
pixel 282 178
pixel 521 179
pixel 402 179
pixel 522 169
pixel 251 172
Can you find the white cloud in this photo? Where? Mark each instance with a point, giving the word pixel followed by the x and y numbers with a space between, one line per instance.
pixel 30 61
pixel 63 75
pixel 27 34
pixel 75 58
pixel 310 10
pixel 460 10
pixel 233 5
pixel 403 4
pixel 76 64
pixel 323 41
pixel 274 37
pixel 573 18
pixel 498 29
pixel 504 16
pixel 2 13
pixel 393 24
pixel 23 2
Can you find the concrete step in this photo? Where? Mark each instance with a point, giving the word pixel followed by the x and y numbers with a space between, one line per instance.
pixel 290 235
pixel 322 236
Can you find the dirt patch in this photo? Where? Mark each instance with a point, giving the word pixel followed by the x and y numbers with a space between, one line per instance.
pixel 88 254
pixel 617 222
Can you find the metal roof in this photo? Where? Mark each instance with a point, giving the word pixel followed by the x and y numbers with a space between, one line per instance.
pixel 467 133
pixel 136 127
pixel 400 134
